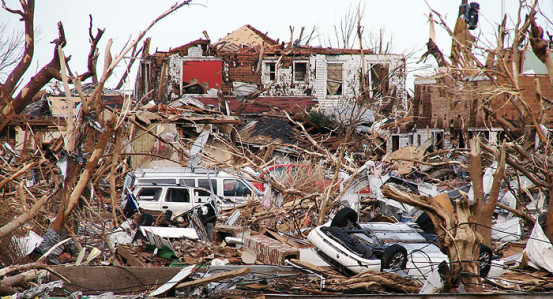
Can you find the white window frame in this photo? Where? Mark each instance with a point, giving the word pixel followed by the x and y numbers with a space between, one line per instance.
pixel 306 74
pixel 267 70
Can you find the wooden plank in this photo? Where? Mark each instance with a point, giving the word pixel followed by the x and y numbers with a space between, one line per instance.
pixel 184 273
pixel 95 280
pixel 216 277
pixel 130 257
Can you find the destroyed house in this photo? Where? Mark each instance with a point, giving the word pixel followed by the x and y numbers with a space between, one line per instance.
pixel 247 62
pixel 442 107
pixel 46 119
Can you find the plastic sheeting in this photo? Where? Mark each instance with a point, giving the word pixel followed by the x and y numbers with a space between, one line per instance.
pixel 28 243
pixel 507 231
pixel 539 250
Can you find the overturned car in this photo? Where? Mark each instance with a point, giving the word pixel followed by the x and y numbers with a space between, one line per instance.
pixel 381 246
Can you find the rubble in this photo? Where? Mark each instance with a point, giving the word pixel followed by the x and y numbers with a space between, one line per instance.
pixel 106 194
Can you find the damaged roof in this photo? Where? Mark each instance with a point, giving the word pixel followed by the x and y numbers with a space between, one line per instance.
pixel 268 130
pixel 248 39
pixel 245 35
pixel 184 48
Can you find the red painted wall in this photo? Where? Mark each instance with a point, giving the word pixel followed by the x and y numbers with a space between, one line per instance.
pixel 204 71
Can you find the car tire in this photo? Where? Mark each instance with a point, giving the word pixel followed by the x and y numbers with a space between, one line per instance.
pixel 485 260
pixel 344 216
pixel 394 258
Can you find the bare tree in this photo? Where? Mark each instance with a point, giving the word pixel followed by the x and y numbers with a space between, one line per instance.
pixel 88 131
pixel 12 103
pixel 461 233
pixel 10 49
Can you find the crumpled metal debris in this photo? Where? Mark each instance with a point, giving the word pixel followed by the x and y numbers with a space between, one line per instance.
pixel 50 239
pixel 41 291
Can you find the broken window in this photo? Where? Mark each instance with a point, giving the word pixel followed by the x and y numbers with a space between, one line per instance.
pixel 151 194
pixel 438 140
pixel 379 79
pixel 7 134
pixel 178 195
pixel 270 68
pixel 395 143
pixel 187 182
pixel 202 195
pixel 203 183
pixel 334 79
pixel 300 71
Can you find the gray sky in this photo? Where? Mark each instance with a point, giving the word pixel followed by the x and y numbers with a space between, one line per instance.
pixel 405 20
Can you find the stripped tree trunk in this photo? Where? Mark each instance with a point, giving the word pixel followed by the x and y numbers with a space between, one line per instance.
pixel 461 233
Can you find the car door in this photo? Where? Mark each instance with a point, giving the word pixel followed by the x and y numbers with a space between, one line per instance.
pixel 149 197
pixel 177 199
pixel 202 196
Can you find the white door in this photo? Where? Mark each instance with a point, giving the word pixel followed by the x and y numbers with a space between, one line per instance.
pixel 149 198
pixel 177 199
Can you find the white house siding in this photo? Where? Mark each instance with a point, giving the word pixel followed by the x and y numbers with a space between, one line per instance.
pixel 174 73
pixel 315 83
pixel 419 137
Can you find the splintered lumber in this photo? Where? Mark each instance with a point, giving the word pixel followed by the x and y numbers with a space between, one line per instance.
pixel 130 257
pixel 184 273
pixel 7 270
pixel 216 277
pixel 18 173
pixel 373 280
pixel 23 218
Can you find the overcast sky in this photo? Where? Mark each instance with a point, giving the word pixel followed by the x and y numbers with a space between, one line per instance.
pixel 404 20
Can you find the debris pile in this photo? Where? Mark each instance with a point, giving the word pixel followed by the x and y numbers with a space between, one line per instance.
pixel 228 188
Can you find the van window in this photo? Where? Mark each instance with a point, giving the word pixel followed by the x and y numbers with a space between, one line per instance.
pixel 204 183
pixel 234 187
pixel 202 193
pixel 188 182
pixel 151 194
pixel 158 181
pixel 177 195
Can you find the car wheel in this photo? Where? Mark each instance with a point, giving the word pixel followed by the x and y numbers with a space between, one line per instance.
pixel 484 260
pixel 394 258
pixel 344 216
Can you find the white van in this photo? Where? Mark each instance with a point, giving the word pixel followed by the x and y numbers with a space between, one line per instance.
pixel 222 184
